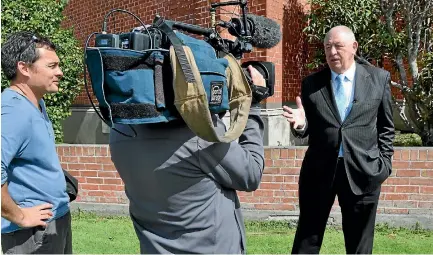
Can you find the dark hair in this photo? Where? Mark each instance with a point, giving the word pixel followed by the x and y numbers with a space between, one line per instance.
pixel 21 46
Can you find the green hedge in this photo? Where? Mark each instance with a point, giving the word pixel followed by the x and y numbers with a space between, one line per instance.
pixel 45 17
pixel 407 140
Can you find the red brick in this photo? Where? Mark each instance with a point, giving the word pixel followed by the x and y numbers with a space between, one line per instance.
pixel 244 194
pixel 66 151
pixel 86 186
pixel 427 190
pixel 288 186
pixel 421 181
pixel 290 171
pixel 250 200
pixel 279 163
pixel 108 187
pixel 112 181
pixel 397 155
pixel 110 194
pixel 430 154
pixel 290 200
pixel 89 173
pixel 289 163
pixel 269 163
pixel 67 159
pixel 396 197
pixel 290 179
pixel 272 170
pixel 284 153
pixel 387 189
pixel 300 153
pixel 397 181
pixel 263 193
pixel 270 186
pixel 422 155
pixel 421 165
pixel 267 153
pixel 408 173
pixel 95 193
pixel 76 167
pixel 74 173
pixel 405 155
pixel 93 166
pixel 270 200
pixel 87 160
pixel 77 151
pixel 101 151
pixel 285 193
pixel 119 188
pixel 109 167
pixel 407 189
pixel 267 178
pixel 103 160
pixel 427 173
pixel 94 180
pixel 292 154
pixel 59 150
pixel 414 155
pixel 298 163
pixel 278 178
pixel 275 154
pixel 401 165
pixel 88 151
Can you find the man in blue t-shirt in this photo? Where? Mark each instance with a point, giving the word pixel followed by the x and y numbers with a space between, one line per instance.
pixel 34 203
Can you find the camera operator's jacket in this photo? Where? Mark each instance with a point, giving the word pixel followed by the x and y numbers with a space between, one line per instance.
pixel 182 189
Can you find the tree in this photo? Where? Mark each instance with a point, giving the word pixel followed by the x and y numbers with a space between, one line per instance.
pixel 398 31
pixel 45 17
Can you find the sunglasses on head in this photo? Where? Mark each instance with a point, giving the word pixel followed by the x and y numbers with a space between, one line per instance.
pixel 34 39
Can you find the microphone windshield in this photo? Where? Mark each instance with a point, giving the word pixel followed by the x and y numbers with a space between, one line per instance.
pixel 265 32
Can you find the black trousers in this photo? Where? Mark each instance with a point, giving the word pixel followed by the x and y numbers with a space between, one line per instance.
pixel 358 215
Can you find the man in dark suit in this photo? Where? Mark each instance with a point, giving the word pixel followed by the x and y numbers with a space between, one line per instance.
pixel 346 112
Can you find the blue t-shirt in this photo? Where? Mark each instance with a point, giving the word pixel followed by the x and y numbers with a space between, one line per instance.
pixel 29 161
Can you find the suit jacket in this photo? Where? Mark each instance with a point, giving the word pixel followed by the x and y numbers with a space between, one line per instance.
pixel 182 189
pixel 366 134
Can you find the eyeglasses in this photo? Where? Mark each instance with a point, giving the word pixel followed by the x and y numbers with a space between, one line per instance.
pixel 34 39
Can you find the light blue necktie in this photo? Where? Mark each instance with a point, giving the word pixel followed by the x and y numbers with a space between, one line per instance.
pixel 340 99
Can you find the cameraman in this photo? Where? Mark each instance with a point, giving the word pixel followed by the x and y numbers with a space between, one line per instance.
pixel 182 189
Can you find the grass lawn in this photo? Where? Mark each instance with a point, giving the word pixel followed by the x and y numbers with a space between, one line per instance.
pixel 113 235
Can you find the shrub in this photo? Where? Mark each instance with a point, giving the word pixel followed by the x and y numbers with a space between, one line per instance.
pixel 44 17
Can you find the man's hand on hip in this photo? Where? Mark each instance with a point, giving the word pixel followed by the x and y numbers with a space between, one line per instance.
pixel 35 216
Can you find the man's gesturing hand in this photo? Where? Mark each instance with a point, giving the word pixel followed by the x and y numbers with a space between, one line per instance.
pixel 296 117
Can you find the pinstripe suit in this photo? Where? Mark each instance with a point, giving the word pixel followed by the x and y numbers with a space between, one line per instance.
pixel 366 135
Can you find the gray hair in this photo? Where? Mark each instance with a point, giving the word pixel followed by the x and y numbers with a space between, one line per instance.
pixel 341 29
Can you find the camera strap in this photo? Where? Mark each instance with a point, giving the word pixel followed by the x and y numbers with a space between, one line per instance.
pixel 192 103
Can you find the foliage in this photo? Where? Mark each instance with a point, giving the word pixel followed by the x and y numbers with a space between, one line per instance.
pixel 45 17
pixel 407 140
pixel 399 31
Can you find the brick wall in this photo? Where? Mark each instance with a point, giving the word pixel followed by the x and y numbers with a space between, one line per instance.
pixel 408 191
